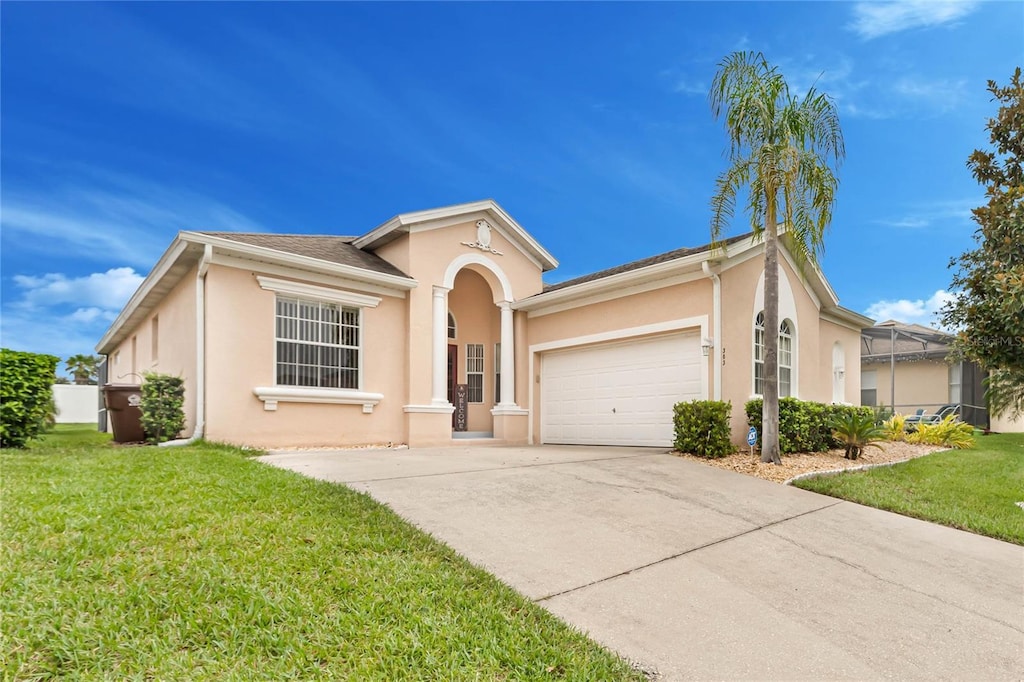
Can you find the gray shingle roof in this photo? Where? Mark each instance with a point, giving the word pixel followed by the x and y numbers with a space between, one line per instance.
pixel 328 248
pixel 643 262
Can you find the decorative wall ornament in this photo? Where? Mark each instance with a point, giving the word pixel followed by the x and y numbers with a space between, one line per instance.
pixel 483 238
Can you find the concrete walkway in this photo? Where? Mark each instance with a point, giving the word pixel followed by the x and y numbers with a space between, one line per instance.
pixel 701 573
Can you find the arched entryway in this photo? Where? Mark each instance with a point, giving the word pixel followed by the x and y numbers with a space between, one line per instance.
pixel 476 292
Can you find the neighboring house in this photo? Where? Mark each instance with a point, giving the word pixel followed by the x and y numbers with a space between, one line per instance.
pixel 287 340
pixel 905 367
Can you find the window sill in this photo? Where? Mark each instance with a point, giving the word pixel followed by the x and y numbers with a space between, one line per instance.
pixel 272 395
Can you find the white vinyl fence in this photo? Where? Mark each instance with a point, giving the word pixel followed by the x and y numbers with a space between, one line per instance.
pixel 76 404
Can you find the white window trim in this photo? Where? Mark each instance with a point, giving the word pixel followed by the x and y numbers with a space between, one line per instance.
pixel 272 395
pixel 794 358
pixel 482 373
pixel 311 291
pixel 792 355
pixel 956 368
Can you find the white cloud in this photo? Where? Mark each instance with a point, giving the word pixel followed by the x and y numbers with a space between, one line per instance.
pixel 875 19
pixel 100 290
pixel 918 311
pixel 88 315
pixel 64 315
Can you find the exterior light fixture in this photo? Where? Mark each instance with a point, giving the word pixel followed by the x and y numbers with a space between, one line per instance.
pixel 706 345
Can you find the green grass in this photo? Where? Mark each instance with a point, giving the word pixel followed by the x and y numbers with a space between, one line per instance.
pixel 975 490
pixel 199 563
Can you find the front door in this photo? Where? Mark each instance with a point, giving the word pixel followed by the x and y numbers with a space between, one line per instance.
pixel 453 375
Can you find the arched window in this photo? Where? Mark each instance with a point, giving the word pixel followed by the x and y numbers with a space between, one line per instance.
pixel 785 358
pixel 786 335
pixel 759 354
pixel 451 326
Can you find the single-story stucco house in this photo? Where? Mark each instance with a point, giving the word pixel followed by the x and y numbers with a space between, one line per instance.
pixel 436 326
pixel 908 367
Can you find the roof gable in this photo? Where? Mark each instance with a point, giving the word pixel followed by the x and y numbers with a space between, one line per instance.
pixel 449 215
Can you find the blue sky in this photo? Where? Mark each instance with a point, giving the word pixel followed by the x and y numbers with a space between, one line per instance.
pixel 125 123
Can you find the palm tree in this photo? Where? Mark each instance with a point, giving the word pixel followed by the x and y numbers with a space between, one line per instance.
pixel 783 148
pixel 82 368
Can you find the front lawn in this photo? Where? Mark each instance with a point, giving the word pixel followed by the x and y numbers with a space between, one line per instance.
pixel 975 490
pixel 197 562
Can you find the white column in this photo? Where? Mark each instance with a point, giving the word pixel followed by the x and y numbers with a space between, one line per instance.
pixel 439 333
pixel 508 374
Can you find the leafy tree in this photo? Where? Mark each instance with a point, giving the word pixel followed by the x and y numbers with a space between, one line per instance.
pixel 989 310
pixel 82 368
pixel 785 150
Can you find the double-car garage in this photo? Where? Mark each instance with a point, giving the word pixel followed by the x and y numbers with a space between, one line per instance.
pixel 619 393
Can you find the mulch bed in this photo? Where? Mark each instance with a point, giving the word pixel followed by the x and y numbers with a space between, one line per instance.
pixel 808 462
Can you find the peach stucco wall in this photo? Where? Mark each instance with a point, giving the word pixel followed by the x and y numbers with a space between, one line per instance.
pixel 814 342
pixel 1007 424
pixel 397 346
pixel 240 357
pixel 175 348
pixel 919 385
pixel 849 340
pixel 739 290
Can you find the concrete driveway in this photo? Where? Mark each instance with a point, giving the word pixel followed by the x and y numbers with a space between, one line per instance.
pixel 700 573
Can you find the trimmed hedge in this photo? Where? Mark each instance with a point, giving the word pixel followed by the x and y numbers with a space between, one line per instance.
pixel 804 425
pixel 163 400
pixel 26 395
pixel 702 428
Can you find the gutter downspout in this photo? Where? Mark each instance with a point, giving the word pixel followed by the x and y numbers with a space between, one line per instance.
pixel 197 432
pixel 716 299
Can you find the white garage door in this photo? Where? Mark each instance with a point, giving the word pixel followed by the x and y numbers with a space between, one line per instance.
pixel 619 393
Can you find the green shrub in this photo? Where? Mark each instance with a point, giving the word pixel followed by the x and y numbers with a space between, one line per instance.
pixel 163 399
pixel 26 395
pixel 856 431
pixel 702 428
pixel 948 432
pixel 804 426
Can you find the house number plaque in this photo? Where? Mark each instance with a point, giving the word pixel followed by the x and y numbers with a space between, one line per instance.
pixel 461 406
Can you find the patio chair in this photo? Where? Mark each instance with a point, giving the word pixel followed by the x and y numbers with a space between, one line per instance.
pixel 944 411
pixel 913 421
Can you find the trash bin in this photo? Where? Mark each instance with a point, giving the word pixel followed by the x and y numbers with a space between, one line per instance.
pixel 122 402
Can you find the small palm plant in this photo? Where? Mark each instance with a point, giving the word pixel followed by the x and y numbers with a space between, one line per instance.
pixel 856 431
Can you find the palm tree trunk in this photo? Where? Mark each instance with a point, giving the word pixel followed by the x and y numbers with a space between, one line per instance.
pixel 770 404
